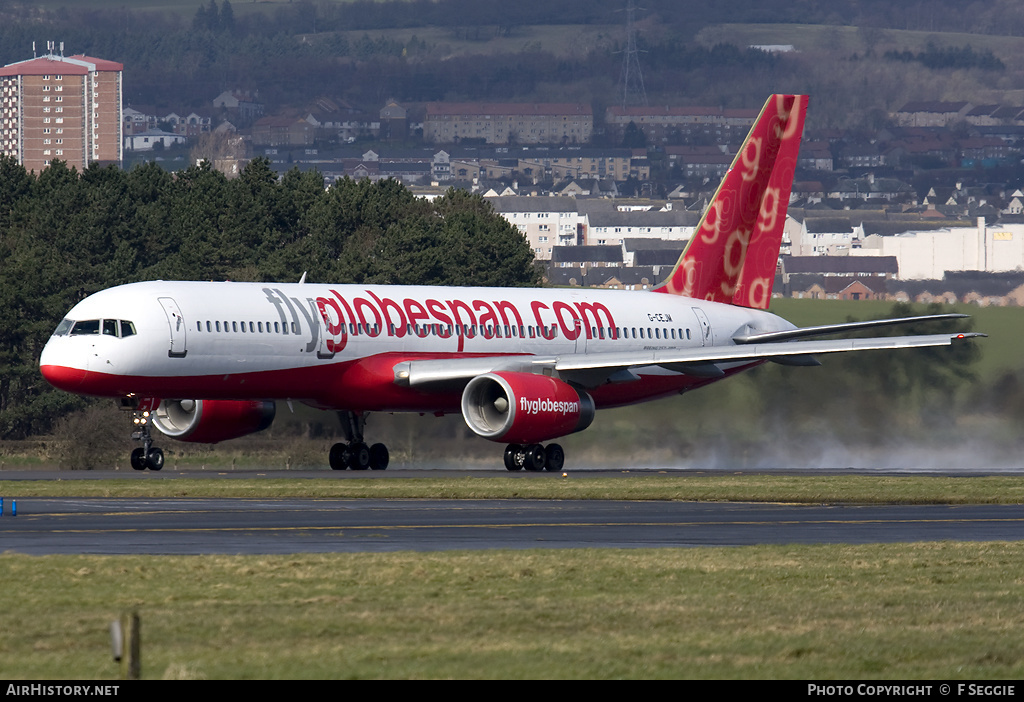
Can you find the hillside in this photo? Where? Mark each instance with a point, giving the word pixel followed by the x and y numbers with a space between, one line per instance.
pixel 181 55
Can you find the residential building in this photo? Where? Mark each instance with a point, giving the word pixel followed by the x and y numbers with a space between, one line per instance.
pixel 982 150
pixel 862 156
pixel 539 164
pixel 932 113
pixel 239 103
pixel 551 222
pixel 836 288
pixel 546 222
pixel 283 131
pixel 136 121
pixel 667 124
pixel 658 254
pixel 815 155
pixel 871 189
pixel 586 256
pixel 606 222
pixel 337 120
pixel 61 107
pixel 148 140
pixel 830 235
pixel 840 266
pixel 508 123
pixel 394 122
pixel 708 162
pixel 191 125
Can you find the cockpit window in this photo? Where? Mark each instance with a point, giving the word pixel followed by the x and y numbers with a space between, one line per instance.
pixel 108 327
pixel 86 326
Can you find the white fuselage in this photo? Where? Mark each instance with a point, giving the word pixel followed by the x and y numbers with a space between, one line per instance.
pixel 300 341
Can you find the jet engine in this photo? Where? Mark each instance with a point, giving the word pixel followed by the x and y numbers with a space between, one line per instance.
pixel 523 408
pixel 211 421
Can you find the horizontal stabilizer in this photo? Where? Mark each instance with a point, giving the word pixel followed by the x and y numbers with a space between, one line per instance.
pixel 838 328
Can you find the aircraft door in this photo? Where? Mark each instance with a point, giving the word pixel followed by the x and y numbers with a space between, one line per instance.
pixel 177 327
pixel 325 349
pixel 706 336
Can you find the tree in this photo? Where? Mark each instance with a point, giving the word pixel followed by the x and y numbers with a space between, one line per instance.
pixel 15 183
pixel 65 235
pixel 227 17
pixel 482 247
pixel 201 19
pixel 633 137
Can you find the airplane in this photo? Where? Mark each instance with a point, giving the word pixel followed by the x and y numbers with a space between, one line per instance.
pixel 208 361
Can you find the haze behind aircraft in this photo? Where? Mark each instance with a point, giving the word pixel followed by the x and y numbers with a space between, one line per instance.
pixel 206 361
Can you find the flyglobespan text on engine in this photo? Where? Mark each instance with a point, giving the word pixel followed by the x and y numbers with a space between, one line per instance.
pixel 548 406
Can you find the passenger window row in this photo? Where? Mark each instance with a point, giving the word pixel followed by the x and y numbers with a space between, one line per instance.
pixel 446 330
pixel 248 327
pixel 656 333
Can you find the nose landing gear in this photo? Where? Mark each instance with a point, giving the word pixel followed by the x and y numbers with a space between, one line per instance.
pixel 147 456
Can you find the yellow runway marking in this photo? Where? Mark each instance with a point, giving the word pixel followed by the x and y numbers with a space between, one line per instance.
pixel 513 525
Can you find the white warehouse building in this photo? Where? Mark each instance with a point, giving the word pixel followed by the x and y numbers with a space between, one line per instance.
pixel 927 255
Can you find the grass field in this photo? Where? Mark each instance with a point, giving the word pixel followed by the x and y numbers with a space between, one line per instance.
pixel 801 488
pixel 999 352
pixel 881 612
pixel 833 38
pixel 908 611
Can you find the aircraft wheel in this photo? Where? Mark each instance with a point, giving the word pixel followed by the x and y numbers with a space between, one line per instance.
pixel 359 456
pixel 338 458
pixel 534 457
pixel 138 459
pixel 554 457
pixel 379 457
pixel 511 452
pixel 155 459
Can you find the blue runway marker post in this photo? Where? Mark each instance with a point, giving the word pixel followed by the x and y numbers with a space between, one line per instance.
pixel 14 508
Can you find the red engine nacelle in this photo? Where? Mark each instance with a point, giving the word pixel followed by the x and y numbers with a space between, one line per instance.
pixel 522 408
pixel 210 421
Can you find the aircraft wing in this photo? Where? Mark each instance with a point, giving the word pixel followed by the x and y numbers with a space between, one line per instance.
pixel 597 368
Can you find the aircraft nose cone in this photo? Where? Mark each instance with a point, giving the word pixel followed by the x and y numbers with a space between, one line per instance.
pixel 58 373
pixel 62 377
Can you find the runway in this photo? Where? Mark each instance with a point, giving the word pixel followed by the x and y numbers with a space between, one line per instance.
pixel 251 526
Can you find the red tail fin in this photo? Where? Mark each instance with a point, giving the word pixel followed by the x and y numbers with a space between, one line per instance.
pixel 734 251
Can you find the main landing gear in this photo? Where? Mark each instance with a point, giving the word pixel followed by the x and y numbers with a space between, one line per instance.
pixel 356 454
pixel 534 457
pixel 148 456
